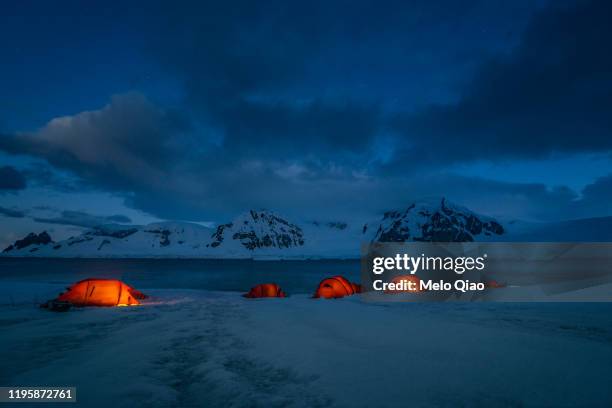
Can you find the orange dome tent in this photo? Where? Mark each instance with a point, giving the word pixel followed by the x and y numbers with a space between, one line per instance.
pixel 406 278
pixel 494 284
pixel 265 290
pixel 101 292
pixel 336 287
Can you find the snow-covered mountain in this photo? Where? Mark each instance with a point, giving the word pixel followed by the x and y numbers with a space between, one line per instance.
pixel 257 230
pixel 31 240
pixel 437 221
pixel 263 234
pixel 254 234
pixel 166 239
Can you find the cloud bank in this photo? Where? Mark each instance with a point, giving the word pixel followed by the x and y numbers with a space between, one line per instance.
pixel 82 219
pixel 11 179
pixel 262 123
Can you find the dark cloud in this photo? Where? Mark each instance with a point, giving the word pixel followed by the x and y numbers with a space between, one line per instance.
pixel 532 201
pixel 552 94
pixel 12 213
pixel 224 50
pixel 596 198
pixel 285 107
pixel 81 219
pixel 247 70
pixel 42 174
pixel 317 128
pixel 600 190
pixel 295 79
pixel 164 167
pixel 128 143
pixel 11 179
pixel 240 63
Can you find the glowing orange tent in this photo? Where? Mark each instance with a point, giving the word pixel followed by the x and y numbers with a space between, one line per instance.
pixel 265 290
pixel 336 287
pixel 406 278
pixel 101 292
pixel 494 284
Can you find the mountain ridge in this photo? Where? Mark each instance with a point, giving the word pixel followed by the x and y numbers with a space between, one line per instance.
pixel 264 234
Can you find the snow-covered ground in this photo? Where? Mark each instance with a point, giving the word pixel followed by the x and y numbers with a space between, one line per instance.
pixel 202 348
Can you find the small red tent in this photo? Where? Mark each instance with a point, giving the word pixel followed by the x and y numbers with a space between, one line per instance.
pixel 336 287
pixel 265 290
pixel 101 292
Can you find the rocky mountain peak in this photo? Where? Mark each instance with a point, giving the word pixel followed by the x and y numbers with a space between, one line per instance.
pixel 435 220
pixel 31 239
pixel 259 229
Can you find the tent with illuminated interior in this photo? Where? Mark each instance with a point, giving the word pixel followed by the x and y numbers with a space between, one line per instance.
pixel 265 290
pixel 405 284
pixel 101 292
pixel 336 287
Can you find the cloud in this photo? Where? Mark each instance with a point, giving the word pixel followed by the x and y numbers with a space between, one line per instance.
pixel 595 198
pixel 551 94
pixel 287 79
pixel 320 128
pixel 245 68
pixel 165 167
pixel 214 184
pixel 82 219
pixel 126 143
pixel 12 213
pixel 11 179
pixel 263 124
pixel 600 190
pixel 530 201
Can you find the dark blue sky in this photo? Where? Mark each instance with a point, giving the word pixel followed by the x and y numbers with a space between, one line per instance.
pixel 172 110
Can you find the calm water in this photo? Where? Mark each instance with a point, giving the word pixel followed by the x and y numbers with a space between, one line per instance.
pixel 224 275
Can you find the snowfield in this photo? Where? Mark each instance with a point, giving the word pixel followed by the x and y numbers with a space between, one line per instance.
pixel 202 348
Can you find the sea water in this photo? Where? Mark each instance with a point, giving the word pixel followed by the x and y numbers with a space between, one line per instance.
pixel 204 274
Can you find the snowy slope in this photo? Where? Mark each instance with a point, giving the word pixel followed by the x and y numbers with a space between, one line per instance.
pixel 263 234
pixel 168 239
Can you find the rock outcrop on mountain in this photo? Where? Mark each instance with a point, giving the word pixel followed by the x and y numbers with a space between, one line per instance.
pixel 435 221
pixel 258 229
pixel 32 241
pixel 264 234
